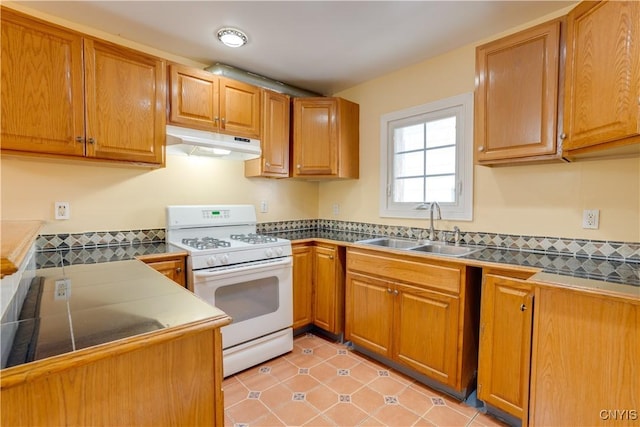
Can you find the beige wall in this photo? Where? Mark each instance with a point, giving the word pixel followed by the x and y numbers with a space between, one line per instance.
pixel 541 200
pixel 533 200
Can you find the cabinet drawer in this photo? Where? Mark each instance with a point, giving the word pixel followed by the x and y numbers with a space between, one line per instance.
pixel 417 272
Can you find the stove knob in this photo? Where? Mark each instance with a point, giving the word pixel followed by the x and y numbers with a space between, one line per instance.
pixel 269 252
pixel 279 251
pixel 225 259
pixel 211 261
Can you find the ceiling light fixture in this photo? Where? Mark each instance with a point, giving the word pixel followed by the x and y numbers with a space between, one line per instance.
pixel 232 37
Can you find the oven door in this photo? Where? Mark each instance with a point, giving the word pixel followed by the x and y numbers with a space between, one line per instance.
pixel 258 297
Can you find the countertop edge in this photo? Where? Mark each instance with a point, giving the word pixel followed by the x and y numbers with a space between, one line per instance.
pixel 17 238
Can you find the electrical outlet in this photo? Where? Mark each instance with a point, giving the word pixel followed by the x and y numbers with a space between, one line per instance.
pixel 336 209
pixel 62 210
pixel 591 218
pixel 264 206
pixel 62 289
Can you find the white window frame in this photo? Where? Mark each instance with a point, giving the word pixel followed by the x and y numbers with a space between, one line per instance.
pixel 461 210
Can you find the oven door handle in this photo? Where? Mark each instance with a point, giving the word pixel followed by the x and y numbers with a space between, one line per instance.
pixel 283 262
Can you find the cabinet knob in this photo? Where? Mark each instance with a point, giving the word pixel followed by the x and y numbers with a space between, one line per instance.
pixel 389 290
pixel 79 139
pixel 92 140
pixel 481 148
pixel 215 119
pixel 330 256
pixel 396 292
pixel 298 166
pixel 179 270
pixel 563 135
pixel 523 307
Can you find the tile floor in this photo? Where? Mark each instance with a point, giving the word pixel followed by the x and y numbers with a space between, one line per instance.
pixel 321 383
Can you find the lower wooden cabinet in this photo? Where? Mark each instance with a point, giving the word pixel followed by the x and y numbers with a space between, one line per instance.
pixel 171 265
pixel 318 286
pixel 585 369
pixel 302 284
pixel 505 344
pixel 413 311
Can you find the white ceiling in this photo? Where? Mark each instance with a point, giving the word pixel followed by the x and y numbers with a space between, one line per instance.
pixel 324 46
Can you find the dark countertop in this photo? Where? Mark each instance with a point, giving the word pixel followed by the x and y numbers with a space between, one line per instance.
pixel 625 273
pixel 79 306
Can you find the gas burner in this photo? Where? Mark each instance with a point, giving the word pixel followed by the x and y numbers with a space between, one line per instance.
pixel 205 243
pixel 254 239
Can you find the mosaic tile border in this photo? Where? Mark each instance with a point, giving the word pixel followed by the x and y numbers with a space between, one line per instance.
pixel 597 249
pixel 98 239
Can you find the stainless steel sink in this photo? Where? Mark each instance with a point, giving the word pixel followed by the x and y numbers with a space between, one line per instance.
pixel 389 242
pixel 435 248
pixel 443 249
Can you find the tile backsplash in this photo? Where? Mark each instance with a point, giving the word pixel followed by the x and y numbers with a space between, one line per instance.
pixel 599 249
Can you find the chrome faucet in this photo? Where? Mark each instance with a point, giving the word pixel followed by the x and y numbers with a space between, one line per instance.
pixel 456 235
pixel 432 232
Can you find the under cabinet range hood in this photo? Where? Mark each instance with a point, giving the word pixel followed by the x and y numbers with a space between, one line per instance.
pixel 192 142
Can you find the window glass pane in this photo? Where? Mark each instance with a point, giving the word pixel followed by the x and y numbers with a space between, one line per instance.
pixel 441 160
pixel 441 132
pixel 408 190
pixel 408 138
pixel 409 164
pixel 441 189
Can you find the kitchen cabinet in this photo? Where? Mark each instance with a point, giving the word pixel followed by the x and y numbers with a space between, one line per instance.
pixel 170 264
pixel 505 344
pixel 72 96
pixel 328 287
pixel 602 80
pixel 586 346
pixel 325 138
pixel 517 88
pixel 416 312
pixel 206 101
pixel 302 284
pixel 318 286
pixel 276 118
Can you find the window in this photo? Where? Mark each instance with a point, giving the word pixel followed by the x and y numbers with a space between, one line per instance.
pixel 425 156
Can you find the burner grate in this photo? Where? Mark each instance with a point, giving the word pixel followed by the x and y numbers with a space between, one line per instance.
pixel 206 243
pixel 254 239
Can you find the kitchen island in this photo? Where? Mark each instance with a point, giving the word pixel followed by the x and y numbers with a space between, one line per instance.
pixel 112 344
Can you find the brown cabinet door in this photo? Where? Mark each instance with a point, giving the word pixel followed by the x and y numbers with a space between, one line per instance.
pixel 369 313
pixel 426 332
pixel 193 98
pixel 315 136
pixel 302 285
pixel 505 344
pixel 239 108
pixel 173 269
pixel 275 133
pixel 324 298
pixel 126 98
pixel 42 87
pixel 585 346
pixel 516 106
pixel 602 81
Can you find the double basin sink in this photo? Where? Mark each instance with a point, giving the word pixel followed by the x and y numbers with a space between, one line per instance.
pixel 436 248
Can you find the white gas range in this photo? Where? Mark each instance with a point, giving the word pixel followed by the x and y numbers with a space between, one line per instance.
pixel 246 275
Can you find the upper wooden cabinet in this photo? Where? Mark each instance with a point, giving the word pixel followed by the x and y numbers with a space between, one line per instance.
pixel 602 82
pixel 276 118
pixel 202 100
pixel 65 95
pixel 516 105
pixel 325 138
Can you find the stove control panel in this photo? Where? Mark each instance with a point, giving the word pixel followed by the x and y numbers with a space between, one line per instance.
pixel 215 214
